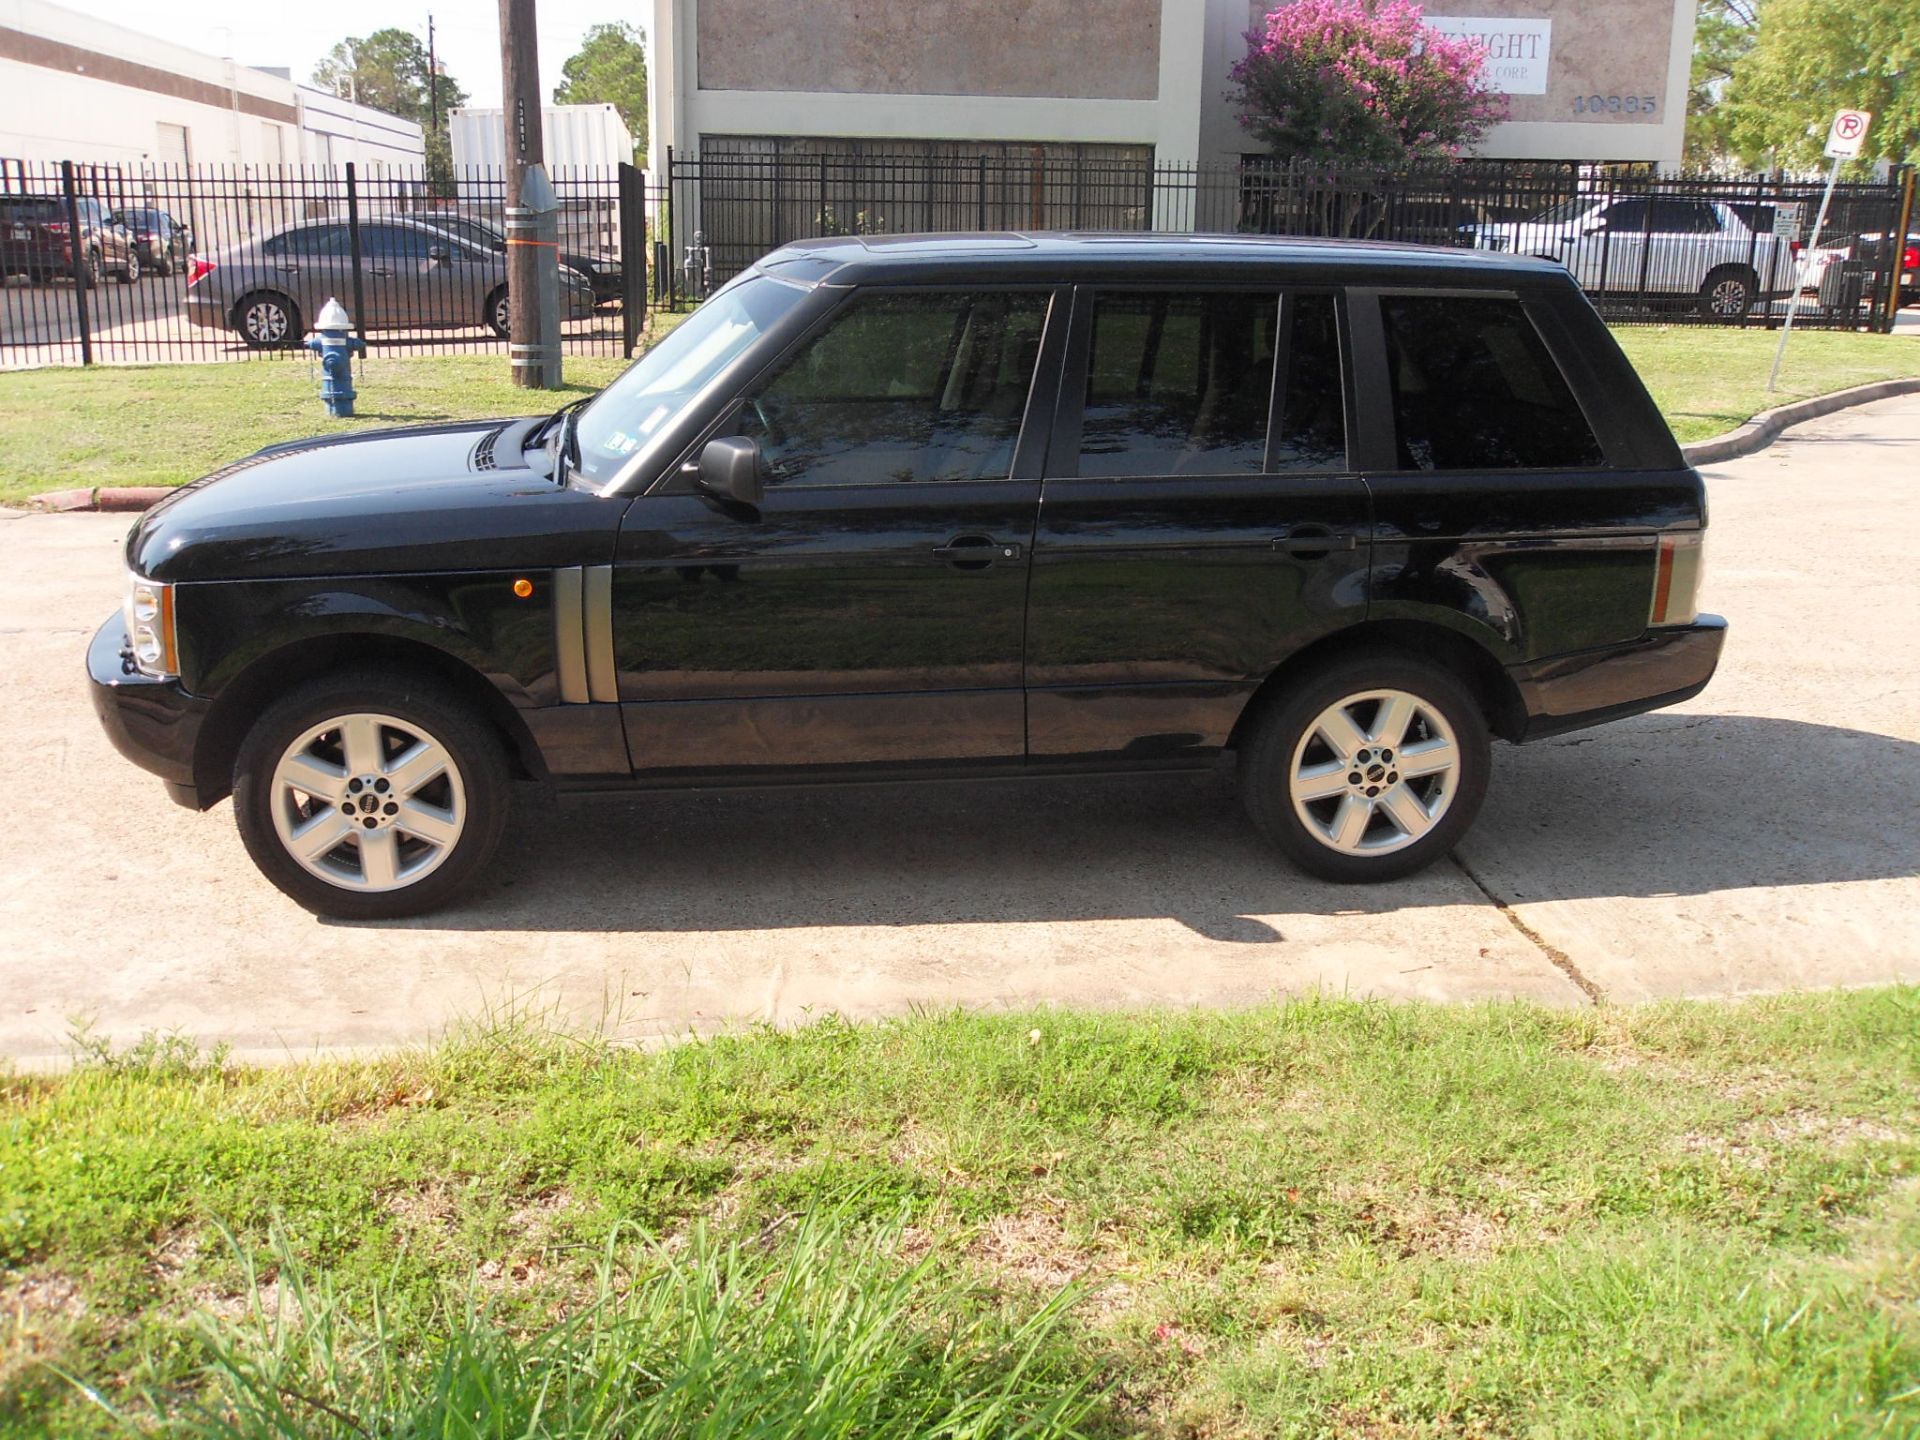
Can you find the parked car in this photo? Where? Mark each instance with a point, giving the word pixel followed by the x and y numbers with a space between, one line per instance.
pixel 1873 249
pixel 165 242
pixel 412 276
pixel 943 506
pixel 601 272
pixel 36 240
pixel 1660 246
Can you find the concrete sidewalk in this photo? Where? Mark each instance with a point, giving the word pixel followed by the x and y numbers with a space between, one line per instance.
pixel 1763 836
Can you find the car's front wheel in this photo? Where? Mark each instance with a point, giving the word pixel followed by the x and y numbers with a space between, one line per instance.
pixel 500 313
pixel 130 273
pixel 1370 769
pixel 370 795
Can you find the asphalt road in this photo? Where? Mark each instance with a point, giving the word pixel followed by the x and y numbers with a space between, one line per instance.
pixel 1764 836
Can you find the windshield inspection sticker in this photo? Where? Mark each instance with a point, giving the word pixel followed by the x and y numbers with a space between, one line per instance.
pixel 620 443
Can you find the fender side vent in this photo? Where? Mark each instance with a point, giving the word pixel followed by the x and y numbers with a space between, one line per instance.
pixel 483 452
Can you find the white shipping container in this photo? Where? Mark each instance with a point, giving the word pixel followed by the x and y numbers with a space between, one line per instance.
pixel 573 135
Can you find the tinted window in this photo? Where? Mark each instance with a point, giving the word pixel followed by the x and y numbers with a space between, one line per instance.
pixel 1312 431
pixel 1475 389
pixel 902 388
pixel 1684 217
pixel 1178 384
pixel 398 242
pixel 307 240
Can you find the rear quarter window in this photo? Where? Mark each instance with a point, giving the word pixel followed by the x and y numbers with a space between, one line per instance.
pixel 1475 388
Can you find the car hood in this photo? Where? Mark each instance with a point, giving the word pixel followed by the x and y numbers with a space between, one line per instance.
pixel 456 496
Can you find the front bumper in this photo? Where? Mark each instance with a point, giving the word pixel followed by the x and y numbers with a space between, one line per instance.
pixel 154 723
pixel 1663 667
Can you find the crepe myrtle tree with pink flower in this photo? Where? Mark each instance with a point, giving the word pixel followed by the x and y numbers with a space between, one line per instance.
pixel 1348 82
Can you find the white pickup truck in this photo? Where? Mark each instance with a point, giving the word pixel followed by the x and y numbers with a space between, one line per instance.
pixel 1723 255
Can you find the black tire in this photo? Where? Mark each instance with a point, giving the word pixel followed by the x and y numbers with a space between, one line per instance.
pixel 496 314
pixel 254 318
pixel 131 273
pixel 163 267
pixel 1288 726
pixel 92 270
pixel 1728 294
pixel 416 704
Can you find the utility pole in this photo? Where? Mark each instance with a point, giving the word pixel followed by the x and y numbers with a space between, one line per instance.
pixel 533 237
pixel 433 80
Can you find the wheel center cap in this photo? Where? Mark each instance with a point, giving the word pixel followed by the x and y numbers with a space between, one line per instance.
pixel 1376 773
pixel 370 804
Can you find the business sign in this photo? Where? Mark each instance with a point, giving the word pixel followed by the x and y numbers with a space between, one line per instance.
pixel 1517 50
pixel 1848 134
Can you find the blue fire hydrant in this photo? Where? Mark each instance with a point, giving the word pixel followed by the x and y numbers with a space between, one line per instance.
pixel 336 347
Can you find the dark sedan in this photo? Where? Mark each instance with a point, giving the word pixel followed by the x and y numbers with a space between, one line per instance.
pixel 165 240
pixel 601 272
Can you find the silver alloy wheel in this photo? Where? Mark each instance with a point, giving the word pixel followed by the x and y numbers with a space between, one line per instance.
pixel 368 802
pixel 1374 772
pixel 265 321
pixel 503 313
pixel 1729 297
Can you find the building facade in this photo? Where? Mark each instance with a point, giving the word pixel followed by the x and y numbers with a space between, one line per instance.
pixel 1588 80
pixel 76 88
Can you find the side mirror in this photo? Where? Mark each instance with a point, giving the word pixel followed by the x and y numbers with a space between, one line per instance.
pixel 439 254
pixel 732 469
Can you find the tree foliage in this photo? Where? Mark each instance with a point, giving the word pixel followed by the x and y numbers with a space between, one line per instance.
pixel 1813 57
pixel 388 70
pixel 1723 32
pixel 1333 81
pixel 610 67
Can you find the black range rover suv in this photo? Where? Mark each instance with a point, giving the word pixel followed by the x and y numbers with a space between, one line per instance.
pixel 943 506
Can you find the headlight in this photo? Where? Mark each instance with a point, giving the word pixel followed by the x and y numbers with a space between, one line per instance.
pixel 148 610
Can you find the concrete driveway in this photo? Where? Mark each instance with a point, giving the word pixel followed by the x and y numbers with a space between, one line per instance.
pixel 1764 836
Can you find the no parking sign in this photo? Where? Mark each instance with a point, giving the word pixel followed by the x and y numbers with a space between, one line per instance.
pixel 1848 134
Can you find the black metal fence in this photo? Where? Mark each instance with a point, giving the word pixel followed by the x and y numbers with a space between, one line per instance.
pixel 155 263
pixel 158 263
pixel 1649 250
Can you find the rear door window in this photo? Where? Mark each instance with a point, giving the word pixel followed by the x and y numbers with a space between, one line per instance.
pixel 1475 388
pixel 1310 431
pixel 1178 384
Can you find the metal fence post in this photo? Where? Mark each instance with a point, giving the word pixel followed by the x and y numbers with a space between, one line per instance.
pixel 633 256
pixel 353 243
pixel 1896 247
pixel 77 261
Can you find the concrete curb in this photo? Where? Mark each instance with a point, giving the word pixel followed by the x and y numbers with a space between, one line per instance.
pixel 102 497
pixel 1763 429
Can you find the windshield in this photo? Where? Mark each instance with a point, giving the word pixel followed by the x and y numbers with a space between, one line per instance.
pixel 626 417
pixel 1566 211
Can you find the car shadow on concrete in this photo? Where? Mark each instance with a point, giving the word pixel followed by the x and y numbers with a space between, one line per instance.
pixel 1672 804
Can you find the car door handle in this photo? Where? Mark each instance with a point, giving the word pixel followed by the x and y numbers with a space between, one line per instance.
pixel 976 552
pixel 1312 540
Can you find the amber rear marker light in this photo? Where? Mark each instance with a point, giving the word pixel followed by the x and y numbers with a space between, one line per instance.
pixel 523 588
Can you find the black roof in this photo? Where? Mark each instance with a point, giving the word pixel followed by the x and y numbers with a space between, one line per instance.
pixel 1057 255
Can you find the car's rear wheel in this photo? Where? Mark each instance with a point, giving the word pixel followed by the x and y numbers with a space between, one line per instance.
pixel 92 269
pixel 131 273
pixel 1370 769
pixel 499 313
pixel 267 321
pixel 164 265
pixel 370 795
pixel 1728 293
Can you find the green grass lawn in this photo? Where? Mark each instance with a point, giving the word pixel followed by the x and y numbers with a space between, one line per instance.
pixel 1707 381
pixel 165 425
pixel 168 424
pixel 1329 1218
